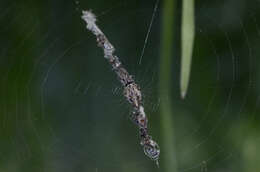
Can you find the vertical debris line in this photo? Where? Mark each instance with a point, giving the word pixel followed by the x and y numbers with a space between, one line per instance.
pixel 187 41
pixel 131 90
pixel 149 30
pixel 165 94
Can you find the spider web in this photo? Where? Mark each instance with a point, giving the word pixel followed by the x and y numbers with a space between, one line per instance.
pixel 62 107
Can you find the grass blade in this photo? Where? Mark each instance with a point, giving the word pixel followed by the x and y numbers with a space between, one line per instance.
pixel 187 40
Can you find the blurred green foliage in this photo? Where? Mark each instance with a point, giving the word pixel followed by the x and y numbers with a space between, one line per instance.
pixel 61 106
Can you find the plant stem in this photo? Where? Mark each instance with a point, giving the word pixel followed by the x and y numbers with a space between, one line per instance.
pixel 168 151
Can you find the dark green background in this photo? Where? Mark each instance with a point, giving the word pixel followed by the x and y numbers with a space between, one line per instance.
pixel 61 107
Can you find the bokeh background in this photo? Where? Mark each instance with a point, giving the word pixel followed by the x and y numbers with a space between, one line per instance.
pixel 62 109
